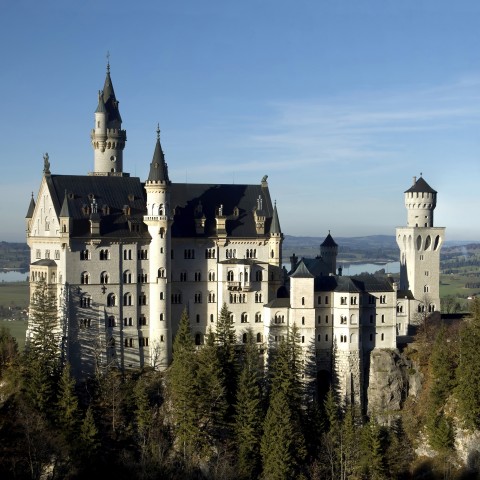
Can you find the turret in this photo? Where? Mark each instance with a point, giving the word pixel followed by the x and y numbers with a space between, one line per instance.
pixel 158 221
pixel 420 201
pixel 328 252
pixel 29 215
pixel 108 138
pixel 276 239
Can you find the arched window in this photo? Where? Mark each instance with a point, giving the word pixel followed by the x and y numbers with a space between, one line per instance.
pixel 303 300
pixel 127 276
pixel 198 339
pixel 258 317
pixel 104 277
pixel 111 321
pixel 127 299
pixel 244 318
pixel 211 276
pixel 258 275
pixel 111 300
pixel 259 338
pixel 85 278
pixel 244 338
pixel 230 276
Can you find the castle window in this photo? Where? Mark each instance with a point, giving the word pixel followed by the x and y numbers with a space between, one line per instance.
pixel 232 318
pixel 319 300
pixel 198 318
pixel 57 254
pixel 211 318
pixel 104 278
pixel 426 289
pixel 127 276
pixel 198 276
pixel 162 338
pixel 198 297
pixel 319 319
pixel 303 300
pixel 343 339
pixel 129 343
pixel 142 277
pixel 183 276
pixel 259 338
pixel 343 320
pixel 142 320
pixel 127 254
pixel 142 299
pixel 161 296
pixel 47 254
pixel 211 297
pixel 85 255
pixel 319 337
pixel 85 278
pixel 399 308
pixel 244 338
pixel 421 257
pixel 326 337
pixel 128 322
pixel 303 320
pixel 230 276
pixel 258 276
pixel 303 339
pixel 427 273
pixel 127 299
pixel 211 276
pixel 383 299
pixel 111 322
pixel 353 300
pixel 85 322
pixel 210 253
pixel 189 253
pixel 353 320
pixel 326 300
pixel 326 318
pixel 161 317
pixel 343 300
pixel 144 341
pixel 371 300
pixel 258 317
pixel 383 337
pixel 383 318
pixel 104 254
pixel 38 254
pixel 85 301
pixel 176 298
pixel 198 339
pixel 371 337
pixel 371 318
pixel 161 273
pixel 258 297
pixel 244 318
pixel 111 300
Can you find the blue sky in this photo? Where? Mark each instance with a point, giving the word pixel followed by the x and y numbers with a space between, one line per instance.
pixel 339 102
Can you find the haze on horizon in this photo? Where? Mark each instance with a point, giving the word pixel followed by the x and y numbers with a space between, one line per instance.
pixel 339 103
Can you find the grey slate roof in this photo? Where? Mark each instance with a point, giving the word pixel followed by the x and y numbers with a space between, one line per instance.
pixel 329 241
pixel 354 284
pixel 185 197
pixel 301 271
pixel 279 303
pixel 45 263
pixel 421 186
pixel 31 208
pixel 109 99
pixel 405 294
pixel 275 225
pixel 65 211
pixel 158 167
pixel 119 192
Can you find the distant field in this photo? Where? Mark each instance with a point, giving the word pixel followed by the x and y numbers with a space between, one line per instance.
pixel 17 329
pixel 14 293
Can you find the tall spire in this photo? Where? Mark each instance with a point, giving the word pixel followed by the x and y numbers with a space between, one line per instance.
pixel 109 99
pixel 275 225
pixel 158 167
pixel 31 208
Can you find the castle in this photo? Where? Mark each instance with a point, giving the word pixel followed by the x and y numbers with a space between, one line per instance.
pixel 125 258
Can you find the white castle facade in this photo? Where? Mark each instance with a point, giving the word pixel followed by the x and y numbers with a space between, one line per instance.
pixel 125 258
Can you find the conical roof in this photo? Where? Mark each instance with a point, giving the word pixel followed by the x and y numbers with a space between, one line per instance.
pixel 109 99
pixel 419 186
pixel 329 241
pixel 31 208
pixel 101 105
pixel 65 211
pixel 275 225
pixel 158 167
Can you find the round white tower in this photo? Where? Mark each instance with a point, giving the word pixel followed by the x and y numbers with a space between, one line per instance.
pixel 108 138
pixel 420 201
pixel 158 220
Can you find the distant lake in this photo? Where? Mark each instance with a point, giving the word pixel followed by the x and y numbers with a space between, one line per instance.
pixel 357 268
pixel 13 276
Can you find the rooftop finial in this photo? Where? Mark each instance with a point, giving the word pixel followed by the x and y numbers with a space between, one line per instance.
pixel 158 131
pixel 108 61
pixel 46 164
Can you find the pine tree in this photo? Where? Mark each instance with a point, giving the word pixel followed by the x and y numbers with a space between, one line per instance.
pixel 226 340
pixel 248 408
pixel 440 432
pixel 468 371
pixel 212 405
pixel 373 451
pixel 88 438
pixel 67 403
pixel 182 381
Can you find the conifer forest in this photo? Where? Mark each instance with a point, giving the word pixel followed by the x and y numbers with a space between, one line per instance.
pixel 222 411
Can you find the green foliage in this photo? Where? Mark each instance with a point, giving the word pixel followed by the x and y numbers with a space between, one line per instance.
pixel 88 442
pixel 249 412
pixel 373 451
pixel 468 371
pixel 181 379
pixel 8 349
pixel 440 432
pixel 67 403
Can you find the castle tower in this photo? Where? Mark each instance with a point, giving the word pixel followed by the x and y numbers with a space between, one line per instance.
pixel 328 252
pixel 158 220
pixel 276 239
pixel 420 243
pixel 108 138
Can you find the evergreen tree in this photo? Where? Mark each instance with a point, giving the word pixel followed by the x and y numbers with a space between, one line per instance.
pixel 440 433
pixel 468 371
pixel 442 368
pixel 88 438
pixel 226 340
pixel 182 380
pixel 212 405
pixel 67 403
pixel 248 408
pixel 373 451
